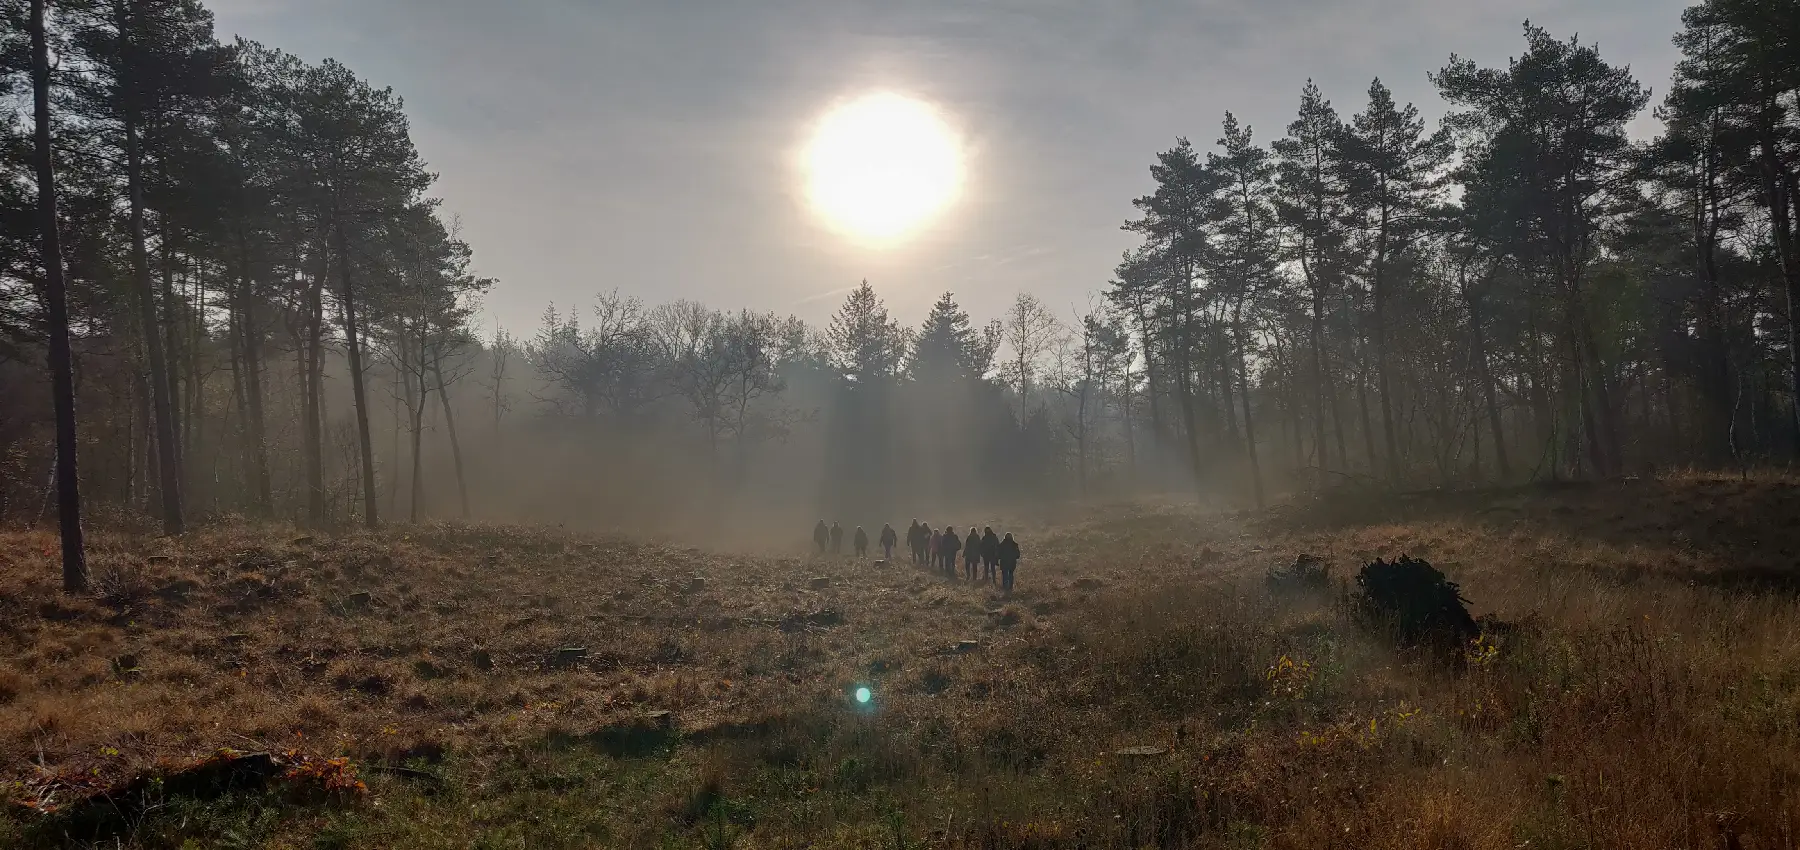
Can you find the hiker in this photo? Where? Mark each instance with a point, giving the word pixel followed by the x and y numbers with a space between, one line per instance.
pixel 837 538
pixel 915 540
pixel 1009 561
pixel 888 539
pixel 821 536
pixel 951 545
pixel 861 542
pixel 971 553
pixel 990 554
pixel 933 543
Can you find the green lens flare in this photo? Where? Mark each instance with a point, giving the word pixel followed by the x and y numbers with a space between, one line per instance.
pixel 862 695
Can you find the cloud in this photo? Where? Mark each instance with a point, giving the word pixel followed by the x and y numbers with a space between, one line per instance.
pixel 647 143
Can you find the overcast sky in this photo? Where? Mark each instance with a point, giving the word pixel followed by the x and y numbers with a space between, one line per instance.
pixel 649 145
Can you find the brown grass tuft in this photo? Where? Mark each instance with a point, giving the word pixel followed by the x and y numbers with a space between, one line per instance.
pixel 1144 686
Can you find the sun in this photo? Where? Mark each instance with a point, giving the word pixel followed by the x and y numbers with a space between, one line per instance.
pixel 880 166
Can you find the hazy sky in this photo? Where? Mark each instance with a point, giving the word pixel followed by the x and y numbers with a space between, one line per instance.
pixel 651 145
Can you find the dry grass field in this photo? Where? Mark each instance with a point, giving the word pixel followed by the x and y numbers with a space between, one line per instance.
pixel 455 686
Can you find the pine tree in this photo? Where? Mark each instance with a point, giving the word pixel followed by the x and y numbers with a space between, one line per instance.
pixel 1242 263
pixel 1310 204
pixel 1132 293
pixel 151 63
pixel 1174 223
pixel 363 174
pixel 56 313
pixel 1395 174
pixel 1732 136
pixel 1546 140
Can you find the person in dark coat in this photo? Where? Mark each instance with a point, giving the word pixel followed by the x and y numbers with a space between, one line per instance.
pixel 951 545
pixel 914 541
pixel 837 538
pixel 888 539
pixel 990 554
pixel 821 536
pixel 861 542
pixel 971 553
pixel 1009 561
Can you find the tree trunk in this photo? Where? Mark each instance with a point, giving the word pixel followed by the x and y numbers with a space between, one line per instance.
pixel 1475 471
pixel 128 492
pixel 1593 394
pixel 1715 368
pixel 1378 291
pixel 1321 380
pixel 179 410
pixel 1579 383
pixel 354 346
pixel 1184 383
pixel 417 426
pixel 195 433
pixel 312 406
pixel 1243 370
pixel 167 459
pixel 1125 416
pixel 240 402
pixel 259 442
pixel 1081 442
pixel 1293 424
pixel 1337 416
pixel 499 406
pixel 1606 409
pixel 145 494
pixel 1152 395
pixel 1478 340
pixel 1227 407
pixel 402 395
pixel 56 307
pixel 1775 200
pixel 1368 428
pixel 462 485
pixel 1152 392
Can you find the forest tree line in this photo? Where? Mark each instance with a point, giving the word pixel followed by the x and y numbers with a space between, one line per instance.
pixel 1521 292
pixel 268 313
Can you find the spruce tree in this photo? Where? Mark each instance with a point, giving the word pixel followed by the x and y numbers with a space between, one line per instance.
pixel 867 347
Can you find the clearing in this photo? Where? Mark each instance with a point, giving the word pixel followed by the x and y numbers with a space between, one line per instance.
pixel 461 685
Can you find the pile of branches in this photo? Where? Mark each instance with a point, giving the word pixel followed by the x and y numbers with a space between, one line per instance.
pixel 1415 603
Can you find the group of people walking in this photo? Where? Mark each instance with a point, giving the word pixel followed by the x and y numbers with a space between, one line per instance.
pixel 985 555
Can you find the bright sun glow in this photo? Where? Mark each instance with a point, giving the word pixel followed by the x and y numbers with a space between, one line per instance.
pixel 880 166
